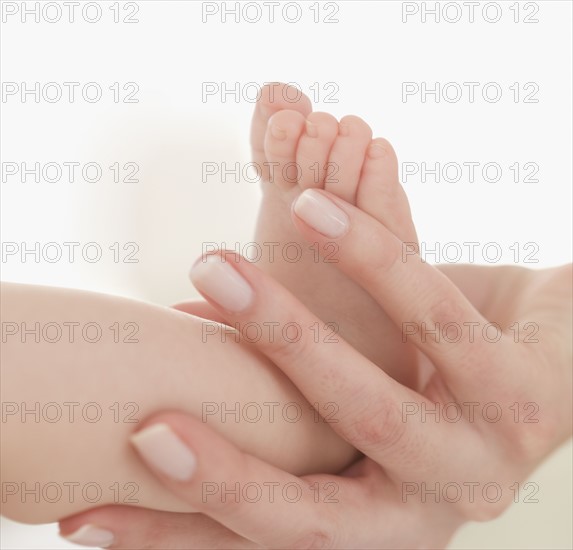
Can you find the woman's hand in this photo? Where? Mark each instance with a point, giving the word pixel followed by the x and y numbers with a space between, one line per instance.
pixel 493 407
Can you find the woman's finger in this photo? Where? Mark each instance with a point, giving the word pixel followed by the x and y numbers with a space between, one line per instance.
pixel 359 510
pixel 361 402
pixel 128 527
pixel 200 309
pixel 430 310
pixel 248 496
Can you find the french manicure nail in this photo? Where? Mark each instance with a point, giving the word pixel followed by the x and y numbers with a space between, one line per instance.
pixel 321 214
pixel 90 535
pixel 222 283
pixel 164 451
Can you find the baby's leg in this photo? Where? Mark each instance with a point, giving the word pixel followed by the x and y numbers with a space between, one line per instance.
pixel 69 406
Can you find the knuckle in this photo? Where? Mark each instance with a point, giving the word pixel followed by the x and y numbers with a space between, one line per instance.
pixel 487 511
pixel 374 268
pixel 443 311
pixel 222 492
pixel 159 534
pixel 288 349
pixel 433 322
pixel 318 538
pixel 379 429
pixel 533 436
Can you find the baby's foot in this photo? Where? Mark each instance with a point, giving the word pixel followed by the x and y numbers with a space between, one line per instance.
pixel 297 149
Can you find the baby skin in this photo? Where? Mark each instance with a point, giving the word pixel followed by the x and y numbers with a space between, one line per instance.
pixel 297 149
pixel 70 403
pixel 70 400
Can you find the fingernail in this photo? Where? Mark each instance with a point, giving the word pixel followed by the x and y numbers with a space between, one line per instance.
pixel 321 214
pixel 266 111
pixel 311 129
pixel 90 535
pixel 222 283
pixel 376 151
pixel 161 449
pixel 278 133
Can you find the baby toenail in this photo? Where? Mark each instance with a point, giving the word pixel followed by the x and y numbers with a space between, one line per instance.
pixel 376 151
pixel 311 129
pixel 277 132
pixel 343 129
pixel 267 112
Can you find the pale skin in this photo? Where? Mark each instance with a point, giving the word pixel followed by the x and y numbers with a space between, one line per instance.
pixel 176 361
pixel 376 505
pixel 257 527
pixel 370 510
pixel 172 364
pixel 299 149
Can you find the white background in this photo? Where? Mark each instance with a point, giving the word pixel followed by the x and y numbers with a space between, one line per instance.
pixel 365 58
